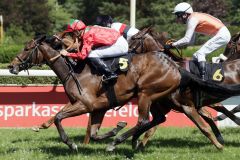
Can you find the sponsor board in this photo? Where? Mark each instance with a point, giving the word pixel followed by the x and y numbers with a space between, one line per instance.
pixel 32 105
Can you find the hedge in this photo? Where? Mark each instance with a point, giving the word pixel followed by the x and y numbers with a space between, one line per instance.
pixel 7 52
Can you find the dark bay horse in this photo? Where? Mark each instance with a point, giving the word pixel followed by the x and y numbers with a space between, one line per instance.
pixel 150 78
pixel 232 52
pixel 231 77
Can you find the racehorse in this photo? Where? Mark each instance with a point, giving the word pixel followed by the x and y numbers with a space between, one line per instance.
pixel 150 77
pixel 231 77
pixel 233 48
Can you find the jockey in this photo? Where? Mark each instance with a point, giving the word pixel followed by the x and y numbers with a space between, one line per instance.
pixel 106 41
pixel 205 24
pixel 123 29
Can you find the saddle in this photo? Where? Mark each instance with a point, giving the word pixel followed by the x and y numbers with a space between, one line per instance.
pixel 214 71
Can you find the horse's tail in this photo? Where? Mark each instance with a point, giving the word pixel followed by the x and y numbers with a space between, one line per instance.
pixel 215 89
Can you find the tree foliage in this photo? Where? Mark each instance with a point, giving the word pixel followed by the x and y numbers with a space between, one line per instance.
pixel 49 16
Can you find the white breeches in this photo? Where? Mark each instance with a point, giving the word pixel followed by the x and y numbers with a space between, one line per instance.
pixel 222 37
pixel 120 47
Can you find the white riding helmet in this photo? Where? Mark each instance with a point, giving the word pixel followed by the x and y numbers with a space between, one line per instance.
pixel 183 7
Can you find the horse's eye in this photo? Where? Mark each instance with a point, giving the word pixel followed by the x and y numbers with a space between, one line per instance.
pixel 25 49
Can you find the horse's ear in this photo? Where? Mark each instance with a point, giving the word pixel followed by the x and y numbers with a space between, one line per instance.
pixel 150 29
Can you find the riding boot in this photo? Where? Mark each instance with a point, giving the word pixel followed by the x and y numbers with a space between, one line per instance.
pixel 103 68
pixel 202 69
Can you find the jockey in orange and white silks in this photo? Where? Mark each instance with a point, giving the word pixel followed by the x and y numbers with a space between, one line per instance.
pixel 123 29
pixel 205 24
pixel 106 41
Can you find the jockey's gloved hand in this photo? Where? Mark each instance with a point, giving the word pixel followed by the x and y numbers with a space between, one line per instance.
pixel 63 52
pixel 168 46
pixel 216 59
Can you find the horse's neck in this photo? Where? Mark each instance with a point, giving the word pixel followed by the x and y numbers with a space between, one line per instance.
pixel 61 69
pixel 234 56
pixel 152 44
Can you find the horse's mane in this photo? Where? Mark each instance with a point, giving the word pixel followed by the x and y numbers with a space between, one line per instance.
pixel 162 38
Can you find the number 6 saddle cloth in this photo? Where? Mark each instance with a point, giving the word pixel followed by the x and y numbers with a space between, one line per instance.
pixel 214 71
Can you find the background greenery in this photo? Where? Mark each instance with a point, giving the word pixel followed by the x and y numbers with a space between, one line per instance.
pixel 25 19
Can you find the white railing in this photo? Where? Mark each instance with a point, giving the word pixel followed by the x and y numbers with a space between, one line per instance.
pixel 44 73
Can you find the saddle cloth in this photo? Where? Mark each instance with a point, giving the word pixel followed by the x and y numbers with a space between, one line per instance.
pixel 214 71
pixel 120 63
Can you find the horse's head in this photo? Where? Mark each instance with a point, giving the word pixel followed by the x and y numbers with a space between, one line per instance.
pixel 65 40
pixel 35 53
pixel 232 50
pixel 148 40
pixel 143 42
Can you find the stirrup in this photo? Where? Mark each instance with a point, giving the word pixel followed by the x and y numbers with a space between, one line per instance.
pixel 203 77
pixel 111 77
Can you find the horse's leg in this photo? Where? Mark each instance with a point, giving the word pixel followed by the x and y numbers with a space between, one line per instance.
pixel 146 137
pixel 73 110
pixel 192 114
pixel 209 119
pixel 158 117
pixel 143 110
pixel 88 130
pixel 48 123
pixel 227 113
pixel 96 121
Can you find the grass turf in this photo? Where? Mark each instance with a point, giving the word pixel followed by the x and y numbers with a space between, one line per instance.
pixel 167 144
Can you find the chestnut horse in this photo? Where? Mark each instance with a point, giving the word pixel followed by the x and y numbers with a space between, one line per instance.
pixel 151 77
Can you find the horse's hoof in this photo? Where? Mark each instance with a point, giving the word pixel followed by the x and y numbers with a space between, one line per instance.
pixel 122 124
pixel 74 147
pixel 135 145
pixel 140 146
pixel 35 128
pixel 110 148
pixel 220 140
pixel 219 147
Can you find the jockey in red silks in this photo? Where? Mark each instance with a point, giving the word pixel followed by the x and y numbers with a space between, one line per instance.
pixel 123 29
pixel 106 41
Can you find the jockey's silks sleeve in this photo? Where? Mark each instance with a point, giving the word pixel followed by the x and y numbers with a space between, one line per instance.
pixel 95 36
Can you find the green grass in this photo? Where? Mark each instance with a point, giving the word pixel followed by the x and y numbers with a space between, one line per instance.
pixel 167 144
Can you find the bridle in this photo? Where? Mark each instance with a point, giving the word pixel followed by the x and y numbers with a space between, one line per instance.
pixel 140 42
pixel 26 64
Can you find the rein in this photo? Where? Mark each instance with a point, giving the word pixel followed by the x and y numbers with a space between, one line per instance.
pixel 73 75
pixel 70 73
